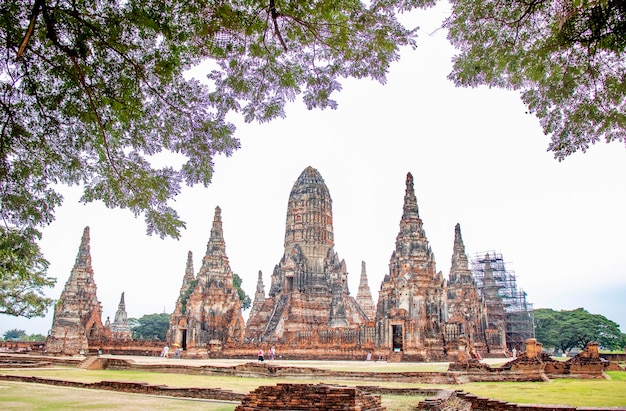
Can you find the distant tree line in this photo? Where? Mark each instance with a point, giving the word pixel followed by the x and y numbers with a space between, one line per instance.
pixel 20 335
pixel 565 330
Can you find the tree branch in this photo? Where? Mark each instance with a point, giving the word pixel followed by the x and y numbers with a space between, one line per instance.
pixel 39 4
pixel 274 15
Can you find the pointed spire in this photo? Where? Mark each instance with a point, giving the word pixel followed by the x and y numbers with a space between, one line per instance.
pixel 83 259
pixel 189 273
pixel 363 281
pixel 122 304
pixel 459 270
pixel 411 209
pixel 260 287
pixel 364 295
pixel 412 238
pixel 120 328
pixel 121 316
pixel 217 233
pixel 215 266
pixel 459 247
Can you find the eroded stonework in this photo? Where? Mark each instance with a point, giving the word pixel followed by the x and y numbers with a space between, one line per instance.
pixel 78 313
pixel 208 310
pixel 364 295
pixel 309 287
pixel 411 301
pixel 467 312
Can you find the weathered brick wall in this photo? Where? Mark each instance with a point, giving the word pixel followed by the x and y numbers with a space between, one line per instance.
pixel 309 397
pixel 459 400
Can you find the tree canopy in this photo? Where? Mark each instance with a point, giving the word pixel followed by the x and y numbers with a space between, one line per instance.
pixel 565 330
pixel 92 91
pixel 22 274
pixel 14 334
pixel 246 302
pixel 150 326
pixel 566 57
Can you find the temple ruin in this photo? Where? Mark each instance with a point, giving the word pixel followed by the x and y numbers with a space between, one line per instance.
pixel 309 287
pixel 208 311
pixel 120 329
pixel 467 310
pixel 78 313
pixel 309 312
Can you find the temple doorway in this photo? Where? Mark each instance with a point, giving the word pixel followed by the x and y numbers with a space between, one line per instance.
pixel 183 341
pixel 289 284
pixel 396 343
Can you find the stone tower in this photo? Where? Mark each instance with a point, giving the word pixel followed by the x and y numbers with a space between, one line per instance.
pixel 259 296
pixel 309 287
pixel 411 302
pixel 78 313
pixel 120 330
pixel 364 295
pixel 466 309
pixel 208 311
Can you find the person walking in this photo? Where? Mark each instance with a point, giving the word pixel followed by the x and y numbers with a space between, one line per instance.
pixel 261 355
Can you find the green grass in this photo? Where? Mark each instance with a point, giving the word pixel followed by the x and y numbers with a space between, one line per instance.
pixel 561 391
pixel 22 396
pixel 573 392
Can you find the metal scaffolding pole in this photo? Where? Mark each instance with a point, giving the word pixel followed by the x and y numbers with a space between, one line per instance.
pixel 519 312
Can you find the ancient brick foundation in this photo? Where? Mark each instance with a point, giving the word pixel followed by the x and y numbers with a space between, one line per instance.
pixel 309 397
pixel 459 400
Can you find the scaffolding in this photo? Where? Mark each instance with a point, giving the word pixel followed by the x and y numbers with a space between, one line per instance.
pixel 518 311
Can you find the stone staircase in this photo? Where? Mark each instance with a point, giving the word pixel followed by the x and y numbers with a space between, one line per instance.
pixel 277 313
pixel 90 363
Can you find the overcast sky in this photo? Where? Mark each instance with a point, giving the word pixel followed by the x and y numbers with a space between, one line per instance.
pixel 477 159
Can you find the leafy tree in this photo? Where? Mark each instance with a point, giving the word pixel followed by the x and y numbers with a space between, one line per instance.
pixel 565 330
pixel 22 274
pixel 566 57
pixel 150 326
pixel 92 91
pixel 246 302
pixel 36 337
pixel 14 334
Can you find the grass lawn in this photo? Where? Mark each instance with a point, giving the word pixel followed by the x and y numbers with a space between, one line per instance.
pixel 22 396
pixel 573 392
pixel 562 391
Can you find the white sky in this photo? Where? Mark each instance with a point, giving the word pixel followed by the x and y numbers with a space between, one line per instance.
pixel 476 157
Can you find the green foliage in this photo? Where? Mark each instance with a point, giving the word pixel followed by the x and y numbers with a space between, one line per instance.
pixel 246 302
pixel 90 92
pixel 150 326
pixel 565 330
pixel 185 297
pixel 567 58
pixel 14 334
pixel 36 337
pixel 22 274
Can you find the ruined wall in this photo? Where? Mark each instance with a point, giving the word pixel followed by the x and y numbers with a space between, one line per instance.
pixel 309 397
